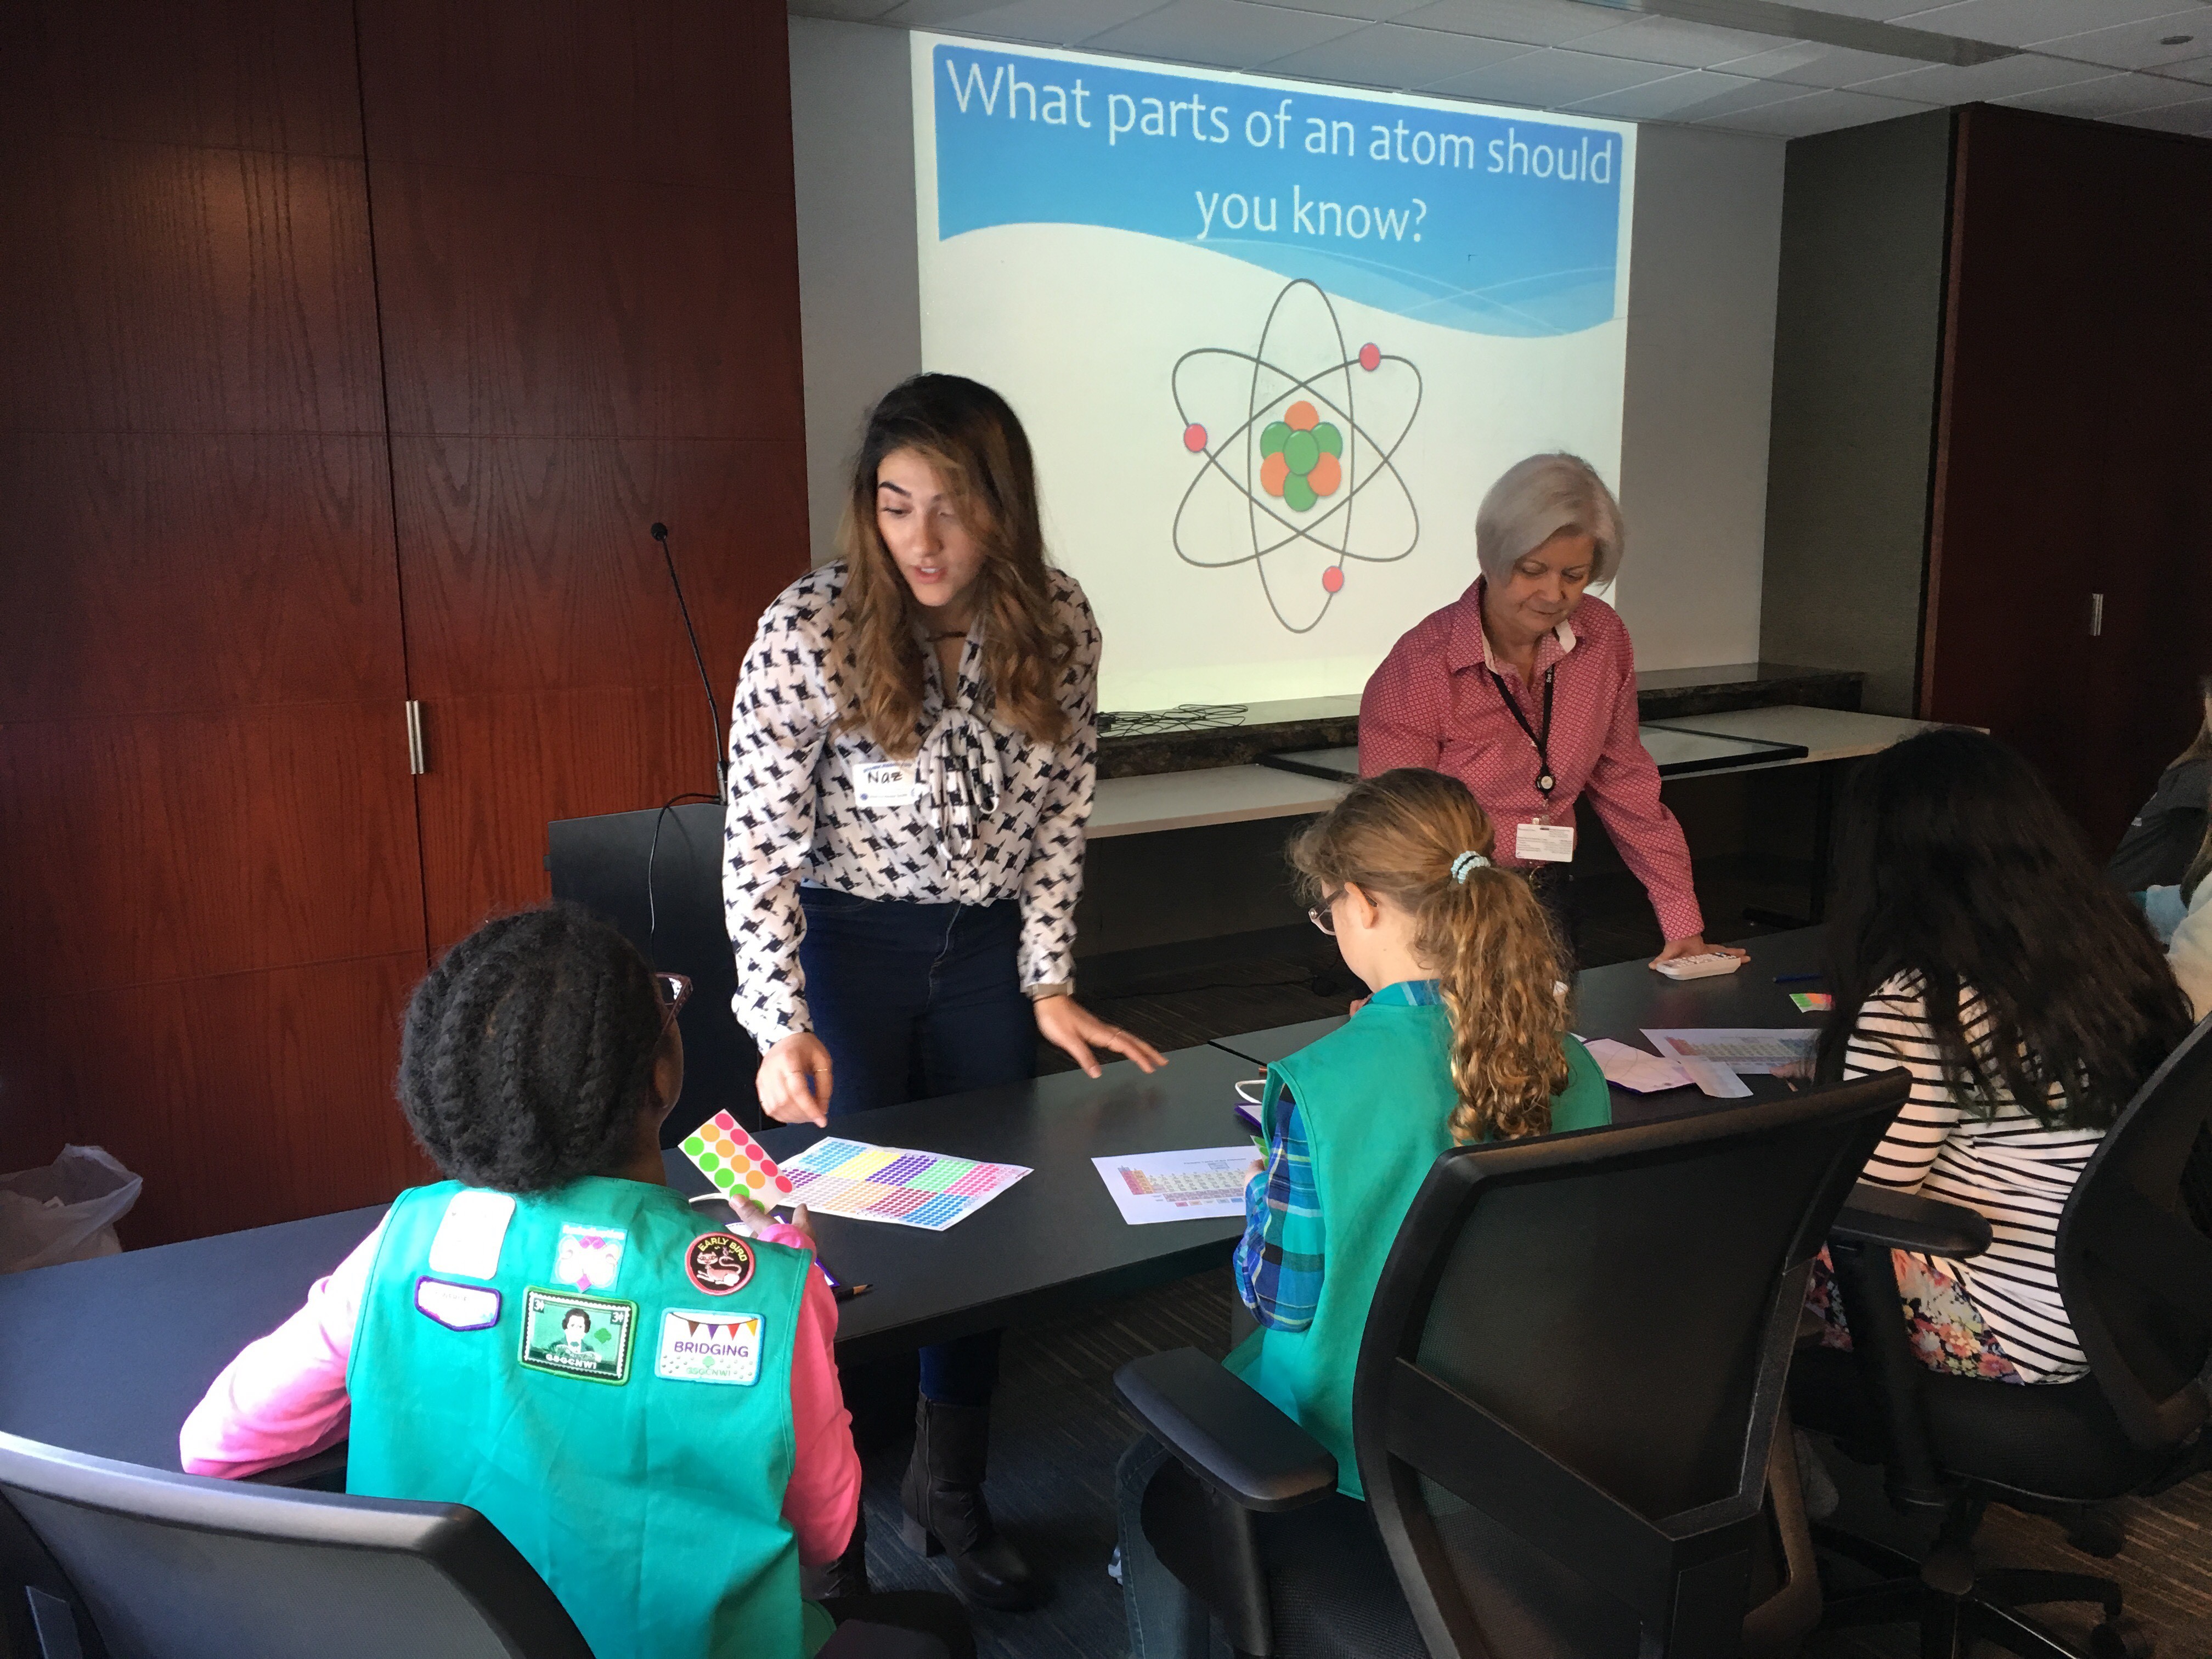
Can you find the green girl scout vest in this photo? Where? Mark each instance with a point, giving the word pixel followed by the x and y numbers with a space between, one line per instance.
pixel 1376 1098
pixel 608 1380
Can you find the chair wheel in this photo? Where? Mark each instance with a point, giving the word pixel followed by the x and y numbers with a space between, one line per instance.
pixel 2123 1638
pixel 2099 1533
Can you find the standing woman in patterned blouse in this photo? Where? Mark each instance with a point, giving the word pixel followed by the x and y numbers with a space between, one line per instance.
pixel 913 754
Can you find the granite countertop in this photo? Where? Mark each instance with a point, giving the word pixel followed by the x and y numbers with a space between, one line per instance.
pixel 1268 728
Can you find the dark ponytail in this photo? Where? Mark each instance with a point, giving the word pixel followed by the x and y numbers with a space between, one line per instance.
pixel 528 1052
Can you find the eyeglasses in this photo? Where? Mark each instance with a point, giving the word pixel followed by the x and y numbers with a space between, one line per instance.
pixel 1323 915
pixel 675 991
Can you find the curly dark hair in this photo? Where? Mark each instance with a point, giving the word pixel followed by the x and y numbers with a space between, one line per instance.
pixel 1957 865
pixel 528 1052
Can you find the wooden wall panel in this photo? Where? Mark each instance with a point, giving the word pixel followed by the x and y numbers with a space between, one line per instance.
pixel 530 304
pixel 182 845
pixel 268 75
pixel 501 768
pixel 655 91
pixel 148 288
pixel 181 571
pixel 529 562
pixel 2071 452
pixel 243 1099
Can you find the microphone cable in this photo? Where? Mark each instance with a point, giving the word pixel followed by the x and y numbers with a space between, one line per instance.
pixel 714 709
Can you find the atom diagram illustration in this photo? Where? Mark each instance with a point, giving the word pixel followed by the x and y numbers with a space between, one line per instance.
pixel 1285 463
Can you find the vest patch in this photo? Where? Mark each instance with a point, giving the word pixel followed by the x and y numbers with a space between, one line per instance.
pixel 709 1348
pixel 457 1307
pixel 588 1258
pixel 581 1336
pixel 720 1264
pixel 470 1237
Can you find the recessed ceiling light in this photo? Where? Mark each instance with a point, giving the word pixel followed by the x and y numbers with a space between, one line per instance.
pixel 2175 40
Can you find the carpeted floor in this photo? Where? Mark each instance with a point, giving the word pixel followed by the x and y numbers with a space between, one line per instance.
pixel 1057 1426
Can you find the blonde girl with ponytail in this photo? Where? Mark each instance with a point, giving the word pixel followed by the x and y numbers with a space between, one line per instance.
pixel 1463 1039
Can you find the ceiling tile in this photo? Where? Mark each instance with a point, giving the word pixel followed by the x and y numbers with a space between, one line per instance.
pixel 1224 33
pixel 1368 11
pixel 1874 11
pixel 1670 41
pixel 1534 22
pixel 2022 22
pixel 1809 63
pixel 2111 95
pixel 1814 112
pixel 2194 115
pixel 2139 45
pixel 2004 77
pixel 1042 22
pixel 1687 97
pixel 2196 69
pixel 1551 79
pixel 1392 55
pixel 843 11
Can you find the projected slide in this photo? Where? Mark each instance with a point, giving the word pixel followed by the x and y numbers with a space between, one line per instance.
pixel 1272 341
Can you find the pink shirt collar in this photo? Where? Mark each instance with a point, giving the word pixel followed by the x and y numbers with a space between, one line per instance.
pixel 1470 645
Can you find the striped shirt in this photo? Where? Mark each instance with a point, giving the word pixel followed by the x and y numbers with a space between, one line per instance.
pixel 1281 1258
pixel 2006 1166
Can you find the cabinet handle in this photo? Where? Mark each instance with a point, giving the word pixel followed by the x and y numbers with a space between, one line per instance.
pixel 417 766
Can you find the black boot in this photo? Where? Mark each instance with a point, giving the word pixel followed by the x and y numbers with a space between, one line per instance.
pixel 847 1575
pixel 943 1493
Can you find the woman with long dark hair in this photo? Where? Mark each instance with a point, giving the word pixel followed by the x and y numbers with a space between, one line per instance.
pixel 1974 944
pixel 913 754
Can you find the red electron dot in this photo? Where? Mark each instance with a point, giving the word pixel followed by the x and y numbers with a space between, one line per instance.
pixel 1332 578
pixel 1371 356
pixel 1193 437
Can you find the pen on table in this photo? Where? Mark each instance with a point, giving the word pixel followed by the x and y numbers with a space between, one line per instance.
pixel 1795 979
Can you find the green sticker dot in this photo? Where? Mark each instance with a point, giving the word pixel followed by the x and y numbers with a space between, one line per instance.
pixel 725 1179
pixel 710 1161
pixel 1330 440
pixel 693 1147
pixel 1301 451
pixel 1298 493
pixel 1277 435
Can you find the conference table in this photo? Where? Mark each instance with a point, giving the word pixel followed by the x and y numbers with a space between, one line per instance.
pixel 112 1353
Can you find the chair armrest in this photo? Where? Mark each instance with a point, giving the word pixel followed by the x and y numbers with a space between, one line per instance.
pixel 1225 1432
pixel 1906 1221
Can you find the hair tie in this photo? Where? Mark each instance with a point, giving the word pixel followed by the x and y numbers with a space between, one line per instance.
pixel 1465 862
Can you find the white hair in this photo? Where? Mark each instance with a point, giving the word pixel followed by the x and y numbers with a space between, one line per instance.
pixel 1533 501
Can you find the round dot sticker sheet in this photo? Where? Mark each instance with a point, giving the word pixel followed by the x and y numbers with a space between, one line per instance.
pixel 736 1163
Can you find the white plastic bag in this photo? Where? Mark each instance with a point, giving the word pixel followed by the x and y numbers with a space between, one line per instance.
pixel 66 1211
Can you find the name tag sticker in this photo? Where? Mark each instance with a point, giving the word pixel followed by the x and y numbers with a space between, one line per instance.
pixel 457 1307
pixel 1545 843
pixel 588 1258
pixel 580 1336
pixel 709 1348
pixel 885 783
pixel 470 1237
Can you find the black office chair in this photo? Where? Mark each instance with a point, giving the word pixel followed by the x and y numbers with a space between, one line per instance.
pixel 1568 1410
pixel 2136 1275
pixel 101 1557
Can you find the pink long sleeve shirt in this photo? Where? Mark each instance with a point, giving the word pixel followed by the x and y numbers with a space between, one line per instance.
pixel 284 1398
pixel 1433 703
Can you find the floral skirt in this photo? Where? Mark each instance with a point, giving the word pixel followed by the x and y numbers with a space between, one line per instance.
pixel 1946 1328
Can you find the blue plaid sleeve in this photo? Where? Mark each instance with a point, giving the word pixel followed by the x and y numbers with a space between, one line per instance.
pixel 1279 1259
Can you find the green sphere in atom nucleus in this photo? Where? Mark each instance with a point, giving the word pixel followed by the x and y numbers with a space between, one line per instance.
pixel 1276 435
pixel 1297 493
pixel 1330 440
pixel 1301 451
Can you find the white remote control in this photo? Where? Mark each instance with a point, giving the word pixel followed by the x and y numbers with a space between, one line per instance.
pixel 1701 967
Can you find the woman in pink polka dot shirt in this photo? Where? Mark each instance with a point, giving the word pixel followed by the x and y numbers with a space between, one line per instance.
pixel 1531 710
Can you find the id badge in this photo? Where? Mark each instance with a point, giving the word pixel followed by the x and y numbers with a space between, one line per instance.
pixel 1545 843
pixel 885 783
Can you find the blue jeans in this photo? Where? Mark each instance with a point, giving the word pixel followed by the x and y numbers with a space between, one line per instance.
pixel 915 1001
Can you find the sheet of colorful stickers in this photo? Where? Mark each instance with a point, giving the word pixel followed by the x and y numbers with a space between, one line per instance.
pixel 849 1178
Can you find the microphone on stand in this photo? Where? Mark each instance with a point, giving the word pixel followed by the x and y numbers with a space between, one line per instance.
pixel 714 709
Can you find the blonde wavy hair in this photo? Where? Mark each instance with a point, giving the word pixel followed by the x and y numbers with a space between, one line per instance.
pixel 1396 836
pixel 967 431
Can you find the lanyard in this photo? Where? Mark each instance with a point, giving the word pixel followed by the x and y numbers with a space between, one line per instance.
pixel 1544 782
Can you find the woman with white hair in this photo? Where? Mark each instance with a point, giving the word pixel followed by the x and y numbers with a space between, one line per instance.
pixel 1532 711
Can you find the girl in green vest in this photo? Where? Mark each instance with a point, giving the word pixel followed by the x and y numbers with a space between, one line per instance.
pixel 1462 1039
pixel 646 1404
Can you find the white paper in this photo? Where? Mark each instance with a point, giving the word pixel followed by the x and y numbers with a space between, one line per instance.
pixel 1545 843
pixel 1714 1078
pixel 1746 1050
pixel 1631 1068
pixel 1206 1184
pixel 472 1233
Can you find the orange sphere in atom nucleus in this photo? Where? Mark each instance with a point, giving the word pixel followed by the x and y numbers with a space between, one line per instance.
pixel 1327 473
pixel 1272 471
pixel 1301 417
